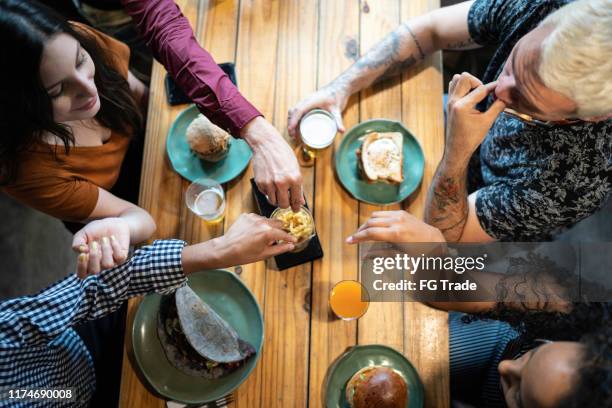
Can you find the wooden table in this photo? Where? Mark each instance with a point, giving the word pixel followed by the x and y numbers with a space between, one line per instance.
pixel 284 50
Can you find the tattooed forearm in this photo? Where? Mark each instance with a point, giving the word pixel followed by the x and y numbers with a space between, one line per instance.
pixel 398 51
pixel 421 53
pixel 384 53
pixel 446 192
pixel 461 45
pixel 447 204
pixel 396 69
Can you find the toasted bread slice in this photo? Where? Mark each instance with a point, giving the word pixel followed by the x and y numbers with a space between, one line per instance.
pixel 381 157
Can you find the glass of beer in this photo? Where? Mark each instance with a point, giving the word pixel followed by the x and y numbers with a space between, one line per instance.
pixel 317 130
pixel 349 300
pixel 206 199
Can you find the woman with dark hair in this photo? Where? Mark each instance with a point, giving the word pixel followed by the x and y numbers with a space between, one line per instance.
pixel 529 348
pixel 69 109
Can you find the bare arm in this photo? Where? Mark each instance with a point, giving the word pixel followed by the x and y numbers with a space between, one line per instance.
pixel 411 42
pixel 407 45
pixel 140 223
pixel 447 206
pixel 139 90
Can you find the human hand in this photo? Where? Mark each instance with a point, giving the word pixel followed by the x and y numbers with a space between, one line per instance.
pixel 101 244
pixel 277 173
pixel 331 98
pixel 253 238
pixel 395 226
pixel 466 126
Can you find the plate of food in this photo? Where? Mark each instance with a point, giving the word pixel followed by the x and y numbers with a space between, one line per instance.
pixel 380 162
pixel 372 376
pixel 201 342
pixel 198 148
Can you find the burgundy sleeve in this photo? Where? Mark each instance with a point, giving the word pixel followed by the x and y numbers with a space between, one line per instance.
pixel 170 37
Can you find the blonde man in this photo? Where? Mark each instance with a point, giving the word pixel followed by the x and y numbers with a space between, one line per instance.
pixel 544 163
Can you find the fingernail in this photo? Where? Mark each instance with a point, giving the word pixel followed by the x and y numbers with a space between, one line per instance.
pixel 82 248
pixel 82 258
pixel 94 246
pixel 113 238
pixel 105 240
pixel 349 240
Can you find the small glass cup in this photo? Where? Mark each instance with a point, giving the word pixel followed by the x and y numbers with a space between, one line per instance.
pixel 206 199
pixel 317 130
pixel 346 300
pixel 303 243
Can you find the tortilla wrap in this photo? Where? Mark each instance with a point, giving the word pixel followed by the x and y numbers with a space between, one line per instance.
pixel 196 340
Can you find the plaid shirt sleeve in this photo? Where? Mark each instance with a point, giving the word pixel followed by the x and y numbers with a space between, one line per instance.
pixel 35 320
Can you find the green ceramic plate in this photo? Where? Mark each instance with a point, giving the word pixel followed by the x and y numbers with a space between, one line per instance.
pixel 378 193
pixel 225 293
pixel 190 166
pixel 359 357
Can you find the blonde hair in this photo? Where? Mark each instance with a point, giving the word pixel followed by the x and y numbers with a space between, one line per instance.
pixel 576 58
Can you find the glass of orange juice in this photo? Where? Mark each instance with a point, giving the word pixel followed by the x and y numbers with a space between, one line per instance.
pixel 347 300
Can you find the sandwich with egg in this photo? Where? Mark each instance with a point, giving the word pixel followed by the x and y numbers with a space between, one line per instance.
pixel 381 158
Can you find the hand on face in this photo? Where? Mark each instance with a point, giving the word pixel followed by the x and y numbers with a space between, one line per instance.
pixel 253 238
pixel 101 244
pixel 395 226
pixel 467 127
pixel 277 173
pixel 328 98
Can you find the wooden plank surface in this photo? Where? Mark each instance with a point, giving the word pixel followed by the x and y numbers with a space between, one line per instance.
pixel 285 377
pixel 383 100
pixel 238 191
pixel 283 51
pixel 337 213
pixel 422 114
pixel 161 193
pixel 218 33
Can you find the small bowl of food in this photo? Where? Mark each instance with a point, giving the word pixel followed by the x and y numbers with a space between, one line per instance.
pixel 299 224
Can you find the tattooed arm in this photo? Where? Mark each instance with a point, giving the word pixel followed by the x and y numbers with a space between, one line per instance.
pixel 448 207
pixel 447 201
pixel 408 44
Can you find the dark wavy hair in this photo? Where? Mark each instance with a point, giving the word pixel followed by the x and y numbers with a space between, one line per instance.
pixel 588 323
pixel 25 107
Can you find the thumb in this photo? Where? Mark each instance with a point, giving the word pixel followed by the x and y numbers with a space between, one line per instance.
pixel 292 124
pixel 79 242
pixel 338 116
pixel 494 110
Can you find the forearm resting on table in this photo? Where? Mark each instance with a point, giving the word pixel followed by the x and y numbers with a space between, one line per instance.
pixel 408 44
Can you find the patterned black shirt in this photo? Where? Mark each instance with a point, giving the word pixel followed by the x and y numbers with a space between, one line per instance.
pixel 533 181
